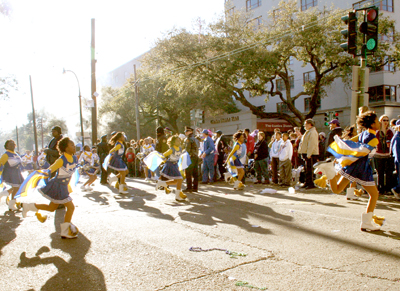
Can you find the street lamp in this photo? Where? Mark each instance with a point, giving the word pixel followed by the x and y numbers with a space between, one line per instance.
pixel 80 105
pixel 158 113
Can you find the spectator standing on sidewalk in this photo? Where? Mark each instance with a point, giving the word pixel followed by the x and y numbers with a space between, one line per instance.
pixel 261 157
pixel 384 163
pixel 395 150
pixel 309 151
pixel 285 158
pixel 192 172
pixel 275 146
pixel 334 126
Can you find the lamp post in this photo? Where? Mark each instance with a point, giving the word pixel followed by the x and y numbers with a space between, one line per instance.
pixel 80 105
pixel 158 113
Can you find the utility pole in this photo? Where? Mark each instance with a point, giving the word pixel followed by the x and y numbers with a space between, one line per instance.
pixel 93 79
pixel 136 105
pixel 34 119
pixel 16 130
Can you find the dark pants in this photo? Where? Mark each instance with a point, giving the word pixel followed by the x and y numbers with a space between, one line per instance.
pixel 103 175
pixel 309 169
pixel 274 169
pixel 220 165
pixel 385 166
pixel 397 179
pixel 192 174
pixel 261 168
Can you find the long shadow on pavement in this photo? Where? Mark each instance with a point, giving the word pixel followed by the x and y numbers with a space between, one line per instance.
pixel 75 274
pixel 8 223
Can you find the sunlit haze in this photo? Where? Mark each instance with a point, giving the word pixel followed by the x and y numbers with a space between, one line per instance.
pixel 40 38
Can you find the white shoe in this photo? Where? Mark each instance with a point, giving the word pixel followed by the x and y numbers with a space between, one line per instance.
pixel 366 222
pixel 350 194
pixel 88 188
pixel 238 185
pixel 68 230
pixel 161 183
pixel 111 179
pixel 83 187
pixel 179 196
pixel 12 204
pixel 227 176
pixel 122 189
pixel 28 207
pixel 326 167
pixel 5 193
pixel 396 195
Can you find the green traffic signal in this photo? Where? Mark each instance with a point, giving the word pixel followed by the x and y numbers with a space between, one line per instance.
pixel 370 29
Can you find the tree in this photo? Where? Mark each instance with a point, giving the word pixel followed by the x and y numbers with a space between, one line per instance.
pixel 236 58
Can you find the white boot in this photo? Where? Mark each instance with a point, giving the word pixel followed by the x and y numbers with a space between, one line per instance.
pixel 179 196
pixel 88 188
pixel 5 193
pixel 68 230
pixel 366 222
pixel 122 189
pixel 227 176
pixel 161 184
pixel 12 205
pixel 350 194
pixel 112 178
pixel 327 168
pixel 28 207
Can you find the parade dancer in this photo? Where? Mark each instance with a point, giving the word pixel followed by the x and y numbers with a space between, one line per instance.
pixel 57 189
pixel 90 164
pixel 116 162
pixel 147 148
pixel 354 157
pixel 10 166
pixel 27 161
pixel 171 169
pixel 235 154
pixel 42 161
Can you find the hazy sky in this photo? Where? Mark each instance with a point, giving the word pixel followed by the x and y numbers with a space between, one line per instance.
pixel 40 38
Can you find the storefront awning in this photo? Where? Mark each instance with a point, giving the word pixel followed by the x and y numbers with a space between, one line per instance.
pixel 268 125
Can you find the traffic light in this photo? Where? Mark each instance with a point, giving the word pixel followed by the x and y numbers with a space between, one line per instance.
pixel 350 33
pixel 370 29
pixel 326 118
pixel 192 114
pixel 336 115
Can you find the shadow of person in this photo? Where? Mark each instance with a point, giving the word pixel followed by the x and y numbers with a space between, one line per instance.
pixel 8 223
pixel 95 196
pixel 75 274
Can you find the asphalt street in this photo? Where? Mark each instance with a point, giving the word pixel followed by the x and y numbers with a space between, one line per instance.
pixel 309 240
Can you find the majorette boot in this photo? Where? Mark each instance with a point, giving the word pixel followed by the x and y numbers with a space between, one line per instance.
pixel 366 222
pixel 358 192
pixel 350 194
pixel 122 189
pixel 31 207
pixel 14 205
pixel 68 230
pixel 112 178
pixel 163 184
pixel 227 176
pixel 238 185
pixel 5 193
pixel 179 196
pixel 326 167
pixel 321 182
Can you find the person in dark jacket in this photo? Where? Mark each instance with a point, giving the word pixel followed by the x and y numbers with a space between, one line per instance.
pixel 52 153
pixel 102 151
pixel 334 126
pixel 220 144
pixel 261 158
pixel 192 172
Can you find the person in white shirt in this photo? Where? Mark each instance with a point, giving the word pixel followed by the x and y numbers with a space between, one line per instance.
pixel 274 154
pixel 285 160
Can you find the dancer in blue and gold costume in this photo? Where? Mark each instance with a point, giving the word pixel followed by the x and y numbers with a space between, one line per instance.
pixel 57 189
pixel 354 158
pixel 90 166
pixel 235 163
pixel 171 169
pixel 10 168
pixel 116 162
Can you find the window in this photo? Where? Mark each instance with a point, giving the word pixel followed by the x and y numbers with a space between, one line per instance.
pixel 256 22
pixel 385 5
pixel 252 4
pixel 307 102
pixel 280 84
pixel 282 107
pixel 384 66
pixel 305 4
pixel 308 77
pixel 382 93
pixel 389 37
